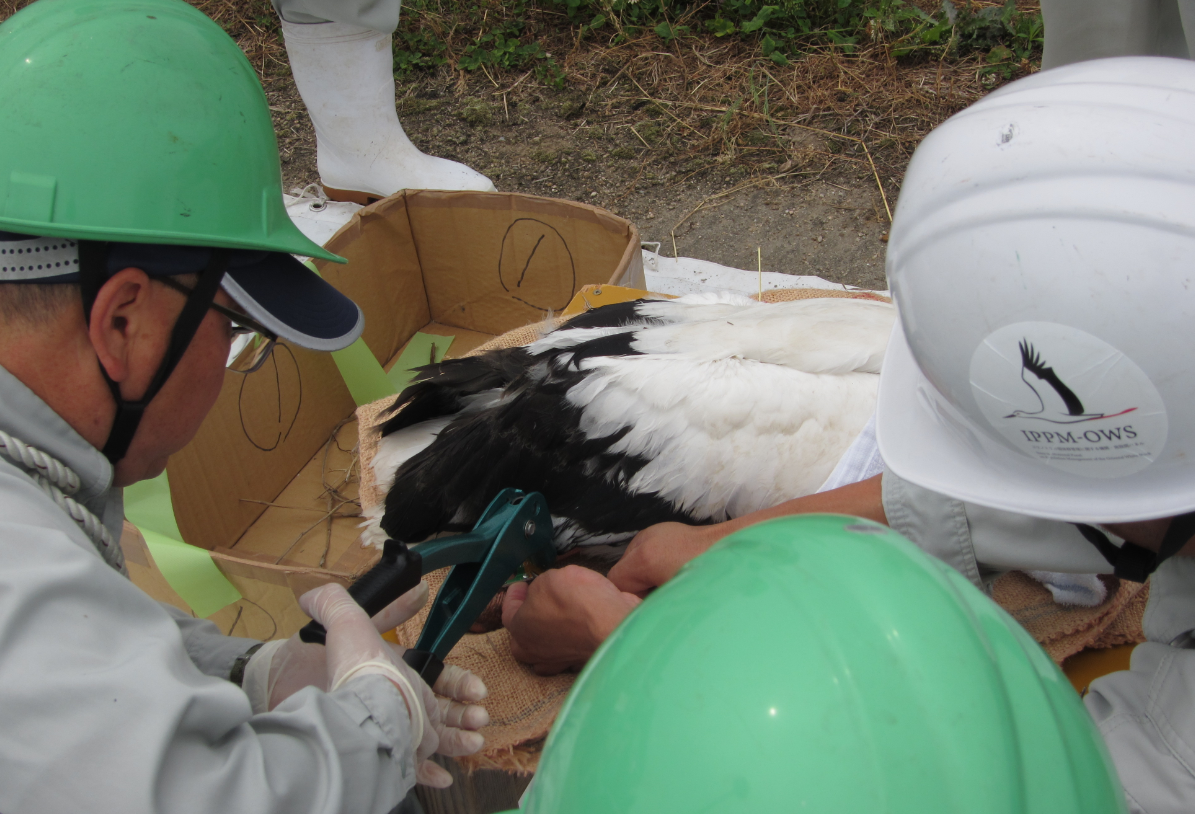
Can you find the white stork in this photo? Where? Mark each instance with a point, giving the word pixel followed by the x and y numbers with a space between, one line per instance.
pixel 697 409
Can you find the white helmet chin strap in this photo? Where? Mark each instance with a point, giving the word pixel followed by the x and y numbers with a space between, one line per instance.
pixel 1133 562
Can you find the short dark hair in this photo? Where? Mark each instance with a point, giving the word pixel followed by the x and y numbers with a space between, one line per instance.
pixel 35 304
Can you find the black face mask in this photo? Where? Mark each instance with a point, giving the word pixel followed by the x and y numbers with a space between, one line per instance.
pixel 93 273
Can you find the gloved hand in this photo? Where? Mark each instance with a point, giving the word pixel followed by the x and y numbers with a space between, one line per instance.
pixel 354 648
pixel 456 691
pixel 293 664
pixel 282 668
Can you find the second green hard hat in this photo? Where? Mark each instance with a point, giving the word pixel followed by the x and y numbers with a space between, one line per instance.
pixel 824 664
pixel 137 121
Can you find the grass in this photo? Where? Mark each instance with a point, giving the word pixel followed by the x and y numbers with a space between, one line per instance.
pixel 511 36
pixel 771 87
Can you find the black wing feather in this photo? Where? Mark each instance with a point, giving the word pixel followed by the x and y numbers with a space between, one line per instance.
pixel 530 440
pixel 440 389
pixel 616 315
pixel 610 345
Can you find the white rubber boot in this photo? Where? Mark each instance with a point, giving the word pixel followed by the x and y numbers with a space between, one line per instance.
pixel 345 75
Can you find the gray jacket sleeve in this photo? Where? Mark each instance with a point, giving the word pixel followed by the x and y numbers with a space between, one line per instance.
pixel 1147 713
pixel 107 703
pixel 210 650
pixel 981 543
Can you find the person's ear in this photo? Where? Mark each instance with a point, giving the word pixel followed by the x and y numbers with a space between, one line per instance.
pixel 125 327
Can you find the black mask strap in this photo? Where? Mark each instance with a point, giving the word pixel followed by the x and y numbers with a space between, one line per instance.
pixel 1133 562
pixel 93 273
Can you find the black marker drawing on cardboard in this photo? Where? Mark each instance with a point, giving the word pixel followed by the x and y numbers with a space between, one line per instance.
pixel 1057 403
pixel 267 435
pixel 530 246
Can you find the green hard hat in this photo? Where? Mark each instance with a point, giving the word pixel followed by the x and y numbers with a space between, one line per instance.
pixel 137 121
pixel 822 663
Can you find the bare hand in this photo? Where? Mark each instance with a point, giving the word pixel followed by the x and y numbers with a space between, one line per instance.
pixel 658 552
pixel 557 621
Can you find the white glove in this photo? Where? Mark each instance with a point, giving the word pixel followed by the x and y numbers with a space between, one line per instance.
pixel 281 668
pixel 445 725
pixel 459 689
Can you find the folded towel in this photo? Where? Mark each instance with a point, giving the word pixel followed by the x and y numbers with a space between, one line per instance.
pixel 1086 590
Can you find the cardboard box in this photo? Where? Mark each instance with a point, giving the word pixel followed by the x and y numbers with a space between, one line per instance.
pixel 263 485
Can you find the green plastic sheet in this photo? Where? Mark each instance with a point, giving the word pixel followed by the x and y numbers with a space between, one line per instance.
pixel 367 381
pixel 364 377
pixel 423 349
pixel 189 570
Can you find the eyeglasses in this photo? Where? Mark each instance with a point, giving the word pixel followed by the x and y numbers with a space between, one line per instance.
pixel 252 342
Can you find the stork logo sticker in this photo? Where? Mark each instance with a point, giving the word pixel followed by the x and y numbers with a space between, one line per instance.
pixel 1050 390
pixel 1068 398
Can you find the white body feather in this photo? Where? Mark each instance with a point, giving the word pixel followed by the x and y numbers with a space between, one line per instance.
pixel 743 411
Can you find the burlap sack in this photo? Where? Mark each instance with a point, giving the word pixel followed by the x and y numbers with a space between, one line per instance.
pixel 522 705
pixel 1064 630
pixel 790 294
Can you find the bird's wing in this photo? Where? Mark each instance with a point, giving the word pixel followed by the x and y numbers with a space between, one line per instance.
pixel 1032 362
pixel 395 450
pixel 696 302
pixel 528 440
pixel 722 437
pixel 815 336
pixel 622 426
pixel 658 311
pixel 615 315
pixel 628 317
pixel 563 338
pixel 401 445
pixel 444 388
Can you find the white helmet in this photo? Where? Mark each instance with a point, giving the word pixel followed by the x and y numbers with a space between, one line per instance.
pixel 1043 262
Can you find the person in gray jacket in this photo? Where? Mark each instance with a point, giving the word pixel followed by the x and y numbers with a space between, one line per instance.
pixel 141 228
pixel 1037 400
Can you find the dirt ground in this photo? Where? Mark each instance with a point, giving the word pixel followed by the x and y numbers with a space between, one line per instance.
pixel 683 140
pixel 680 143
pixel 830 223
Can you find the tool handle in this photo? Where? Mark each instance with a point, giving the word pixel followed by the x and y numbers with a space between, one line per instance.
pixel 427 664
pixel 399 570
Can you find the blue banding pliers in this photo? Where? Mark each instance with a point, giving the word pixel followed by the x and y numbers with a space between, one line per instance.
pixel 515 528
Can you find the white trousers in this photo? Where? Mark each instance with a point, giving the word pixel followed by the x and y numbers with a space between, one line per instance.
pixel 380 15
pixel 1077 30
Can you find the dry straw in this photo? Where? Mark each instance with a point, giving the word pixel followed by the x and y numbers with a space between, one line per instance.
pixel 826 114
